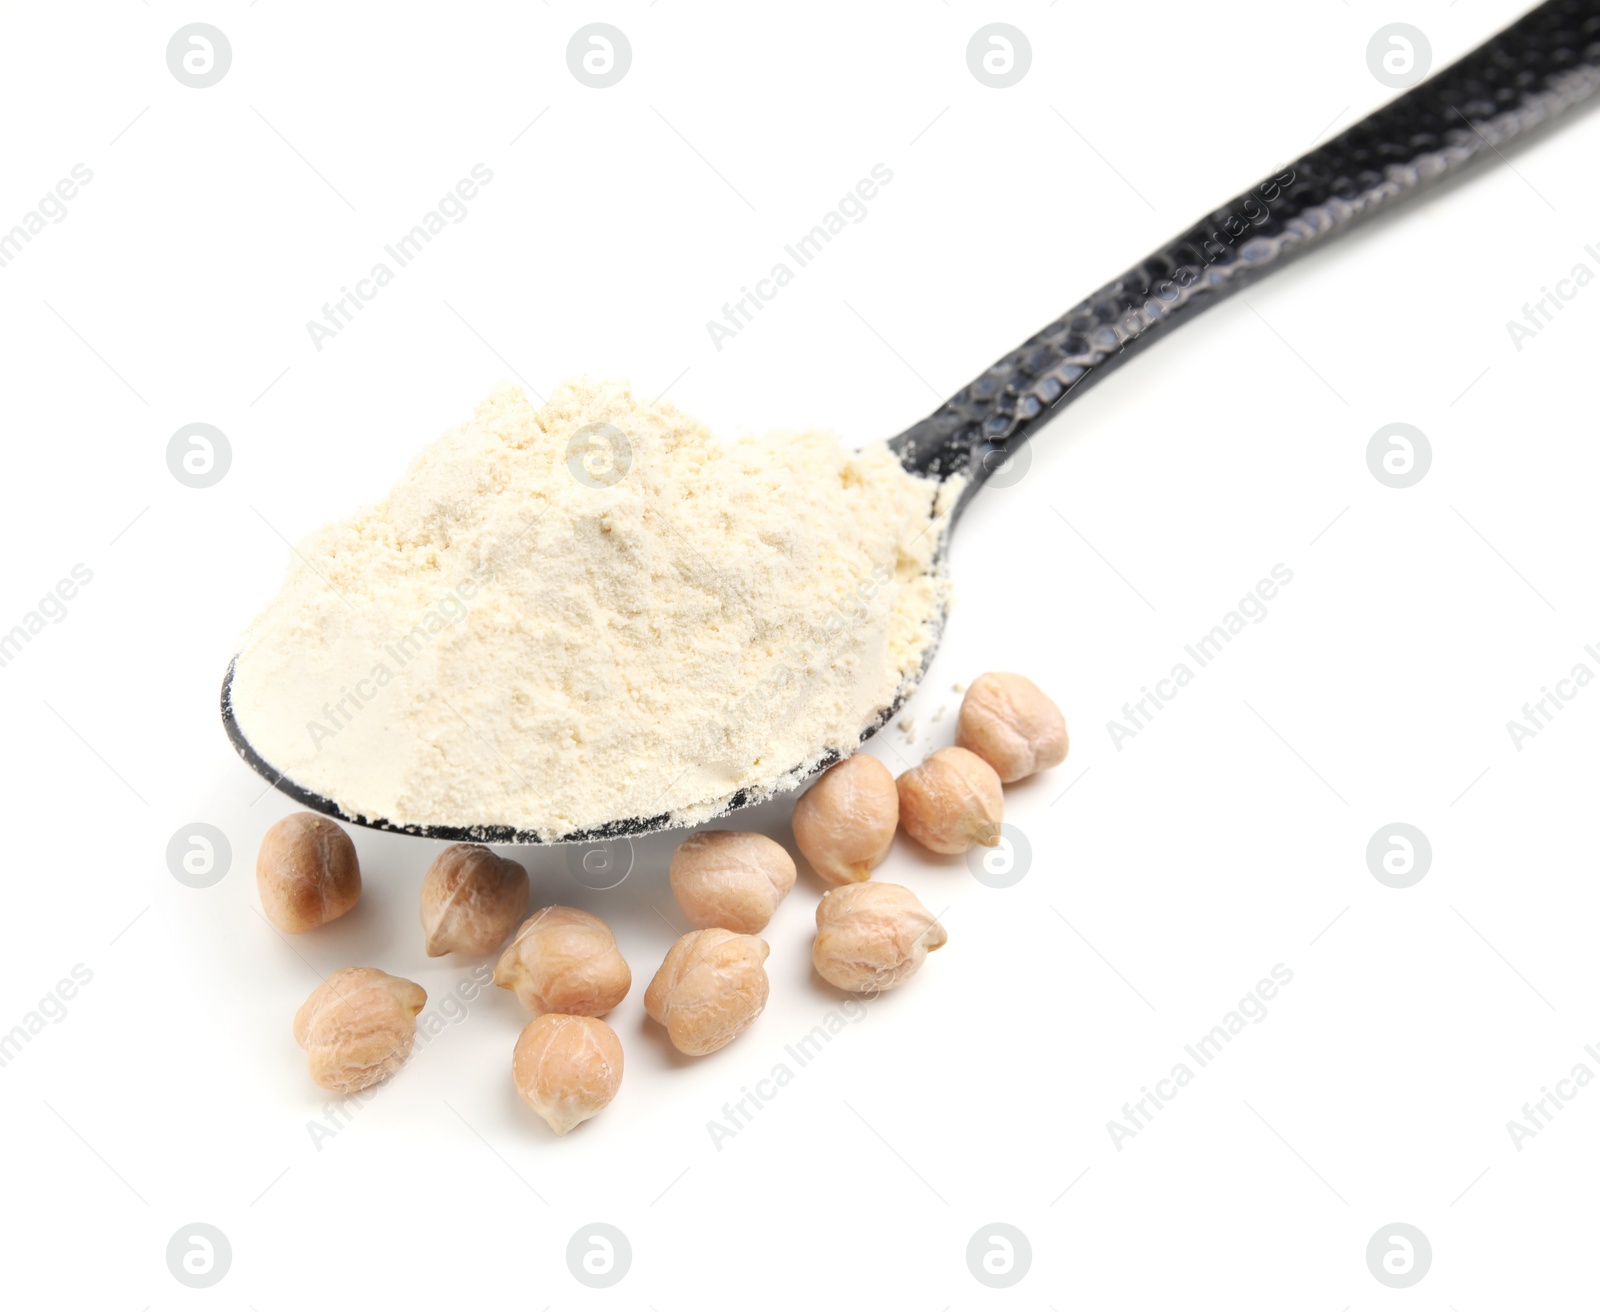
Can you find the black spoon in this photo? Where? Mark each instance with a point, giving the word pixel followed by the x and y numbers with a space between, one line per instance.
pixel 1546 62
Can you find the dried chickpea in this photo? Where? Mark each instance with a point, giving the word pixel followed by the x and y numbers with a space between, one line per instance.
pixel 566 961
pixel 471 900
pixel 567 1068
pixel 872 937
pixel 844 824
pixel 1008 721
pixel 709 989
pixel 357 1027
pixel 727 880
pixel 951 801
pixel 306 872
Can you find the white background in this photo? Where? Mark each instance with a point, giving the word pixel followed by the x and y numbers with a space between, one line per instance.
pixel 1227 837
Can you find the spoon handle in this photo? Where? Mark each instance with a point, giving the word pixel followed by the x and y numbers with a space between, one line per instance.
pixel 1541 65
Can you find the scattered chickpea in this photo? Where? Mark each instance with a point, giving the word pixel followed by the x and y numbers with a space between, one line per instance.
pixel 567 1068
pixel 872 937
pixel 951 801
pixel 566 961
pixel 709 990
pixel 357 1027
pixel 306 872
pixel 471 900
pixel 844 824
pixel 1008 721
pixel 727 880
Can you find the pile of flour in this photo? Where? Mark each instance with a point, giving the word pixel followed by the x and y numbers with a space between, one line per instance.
pixel 594 610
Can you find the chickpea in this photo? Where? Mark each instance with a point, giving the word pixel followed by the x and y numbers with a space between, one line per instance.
pixel 709 990
pixel 873 937
pixel 727 880
pixel 567 1068
pixel 357 1027
pixel 951 801
pixel 306 872
pixel 844 824
pixel 471 900
pixel 1009 722
pixel 566 961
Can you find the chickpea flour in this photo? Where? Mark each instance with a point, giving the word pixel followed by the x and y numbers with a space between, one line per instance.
pixel 594 610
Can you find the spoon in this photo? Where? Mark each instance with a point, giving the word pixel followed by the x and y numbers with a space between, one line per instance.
pixel 1546 62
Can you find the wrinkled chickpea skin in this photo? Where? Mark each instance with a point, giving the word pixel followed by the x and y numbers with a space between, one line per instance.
pixel 727 880
pixel 306 872
pixel 844 823
pixel 709 990
pixel 566 961
pixel 357 1027
pixel 471 900
pixel 873 937
pixel 1008 721
pixel 951 801
pixel 567 1068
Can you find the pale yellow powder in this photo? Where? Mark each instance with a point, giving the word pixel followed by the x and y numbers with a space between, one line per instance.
pixel 548 638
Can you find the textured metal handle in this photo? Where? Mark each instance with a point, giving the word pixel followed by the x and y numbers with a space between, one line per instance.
pixel 1546 62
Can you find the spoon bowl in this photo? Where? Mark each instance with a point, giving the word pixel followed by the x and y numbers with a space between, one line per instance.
pixel 631 827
